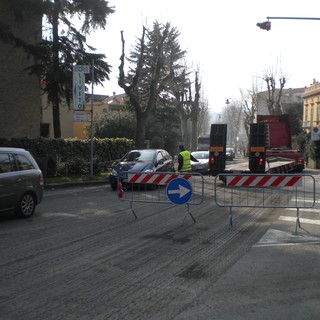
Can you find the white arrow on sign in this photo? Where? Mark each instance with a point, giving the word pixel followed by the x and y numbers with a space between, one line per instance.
pixel 182 191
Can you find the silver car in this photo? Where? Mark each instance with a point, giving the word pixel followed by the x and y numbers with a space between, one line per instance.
pixel 202 166
pixel 21 182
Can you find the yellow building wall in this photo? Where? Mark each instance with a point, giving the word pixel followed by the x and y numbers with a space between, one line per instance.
pixel 72 122
pixel 311 106
pixel 66 115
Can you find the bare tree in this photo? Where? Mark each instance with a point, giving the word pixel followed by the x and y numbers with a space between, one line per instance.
pixel 232 116
pixel 249 100
pixel 179 90
pixel 195 112
pixel 274 94
pixel 203 121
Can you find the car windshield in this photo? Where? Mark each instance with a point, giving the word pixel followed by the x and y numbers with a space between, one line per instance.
pixel 200 155
pixel 139 155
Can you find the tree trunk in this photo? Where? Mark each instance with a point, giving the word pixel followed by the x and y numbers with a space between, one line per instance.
pixel 141 130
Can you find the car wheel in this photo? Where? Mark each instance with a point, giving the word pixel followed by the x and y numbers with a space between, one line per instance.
pixel 26 206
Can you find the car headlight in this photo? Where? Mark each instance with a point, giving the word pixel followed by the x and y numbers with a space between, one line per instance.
pixel 149 170
pixel 114 173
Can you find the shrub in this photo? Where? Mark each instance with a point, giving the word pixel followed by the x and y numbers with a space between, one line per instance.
pixel 58 157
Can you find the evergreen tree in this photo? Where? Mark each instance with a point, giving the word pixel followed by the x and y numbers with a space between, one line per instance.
pixel 153 61
pixel 63 45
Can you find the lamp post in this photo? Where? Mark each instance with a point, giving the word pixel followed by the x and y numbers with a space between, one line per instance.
pixel 91 128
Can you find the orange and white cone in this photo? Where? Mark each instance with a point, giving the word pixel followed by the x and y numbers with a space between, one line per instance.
pixel 120 190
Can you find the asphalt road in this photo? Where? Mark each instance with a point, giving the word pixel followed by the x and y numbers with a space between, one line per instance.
pixel 84 256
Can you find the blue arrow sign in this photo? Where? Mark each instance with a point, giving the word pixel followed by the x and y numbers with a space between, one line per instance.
pixel 179 191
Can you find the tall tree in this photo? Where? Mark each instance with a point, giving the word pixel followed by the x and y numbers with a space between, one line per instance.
pixel 195 112
pixel 180 89
pixel 232 116
pixel 64 44
pixel 153 61
pixel 249 100
pixel 67 47
pixel 274 94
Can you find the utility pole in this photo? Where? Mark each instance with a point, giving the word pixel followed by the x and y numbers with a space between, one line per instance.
pixel 91 127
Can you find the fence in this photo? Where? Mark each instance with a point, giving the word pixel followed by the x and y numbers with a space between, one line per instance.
pixel 161 187
pixel 266 191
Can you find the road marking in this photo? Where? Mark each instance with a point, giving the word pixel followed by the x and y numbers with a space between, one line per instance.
pixel 305 210
pixel 274 237
pixel 302 220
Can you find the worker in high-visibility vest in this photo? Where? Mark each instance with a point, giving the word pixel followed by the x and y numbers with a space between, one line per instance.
pixel 184 160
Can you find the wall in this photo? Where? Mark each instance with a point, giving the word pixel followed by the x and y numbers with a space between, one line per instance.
pixel 19 92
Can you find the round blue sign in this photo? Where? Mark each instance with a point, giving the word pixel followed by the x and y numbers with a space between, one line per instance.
pixel 179 191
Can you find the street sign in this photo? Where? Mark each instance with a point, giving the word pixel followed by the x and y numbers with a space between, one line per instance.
pixel 80 117
pixel 79 86
pixel 315 133
pixel 179 191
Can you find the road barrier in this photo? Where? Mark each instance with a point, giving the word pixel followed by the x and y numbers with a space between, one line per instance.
pixel 266 191
pixel 161 187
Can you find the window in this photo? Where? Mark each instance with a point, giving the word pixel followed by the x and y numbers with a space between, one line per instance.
pixel 23 162
pixel 5 163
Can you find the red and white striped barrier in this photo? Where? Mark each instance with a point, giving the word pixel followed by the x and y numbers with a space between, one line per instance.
pixel 262 181
pixel 158 179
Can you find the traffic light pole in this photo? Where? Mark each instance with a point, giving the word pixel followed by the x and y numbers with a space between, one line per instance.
pixel 266 25
pixel 292 18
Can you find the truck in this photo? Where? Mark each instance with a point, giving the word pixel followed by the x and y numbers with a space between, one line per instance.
pixel 203 143
pixel 278 139
pixel 270 149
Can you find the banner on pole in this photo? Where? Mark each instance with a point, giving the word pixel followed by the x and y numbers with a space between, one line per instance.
pixel 79 86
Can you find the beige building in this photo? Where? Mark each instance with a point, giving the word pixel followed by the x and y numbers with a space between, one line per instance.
pixel 76 124
pixel 311 106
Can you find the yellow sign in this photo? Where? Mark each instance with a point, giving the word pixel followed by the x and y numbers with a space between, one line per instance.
pixel 219 149
pixel 257 149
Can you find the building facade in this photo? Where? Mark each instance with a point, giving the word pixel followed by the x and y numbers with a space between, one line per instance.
pixel 76 124
pixel 311 106
pixel 288 97
pixel 20 97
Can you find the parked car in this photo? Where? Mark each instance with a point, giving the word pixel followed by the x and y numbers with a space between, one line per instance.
pixel 203 165
pixel 230 154
pixel 21 182
pixel 141 160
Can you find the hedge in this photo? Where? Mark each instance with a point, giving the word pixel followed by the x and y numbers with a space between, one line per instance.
pixel 59 157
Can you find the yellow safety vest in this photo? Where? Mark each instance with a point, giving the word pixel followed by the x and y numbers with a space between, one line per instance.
pixel 186 166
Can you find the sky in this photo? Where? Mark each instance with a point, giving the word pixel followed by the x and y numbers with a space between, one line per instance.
pixel 222 41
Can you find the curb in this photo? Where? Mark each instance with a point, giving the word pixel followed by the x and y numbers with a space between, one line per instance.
pixel 53 186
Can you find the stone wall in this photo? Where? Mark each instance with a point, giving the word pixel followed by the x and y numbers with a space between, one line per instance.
pixel 20 104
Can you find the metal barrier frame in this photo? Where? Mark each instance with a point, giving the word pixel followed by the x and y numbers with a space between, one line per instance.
pixel 235 192
pixel 156 194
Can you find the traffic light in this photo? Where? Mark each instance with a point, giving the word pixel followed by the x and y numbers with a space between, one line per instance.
pixel 264 25
pixel 261 161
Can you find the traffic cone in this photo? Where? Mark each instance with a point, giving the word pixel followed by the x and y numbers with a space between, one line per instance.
pixel 120 190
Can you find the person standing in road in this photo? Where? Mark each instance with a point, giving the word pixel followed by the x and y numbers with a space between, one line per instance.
pixel 184 160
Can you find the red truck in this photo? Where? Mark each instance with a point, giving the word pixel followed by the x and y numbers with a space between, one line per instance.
pixel 270 149
pixel 278 140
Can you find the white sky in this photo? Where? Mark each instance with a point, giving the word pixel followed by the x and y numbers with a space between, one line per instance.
pixel 222 38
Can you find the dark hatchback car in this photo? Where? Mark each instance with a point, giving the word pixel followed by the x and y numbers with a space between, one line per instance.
pixel 230 154
pixel 141 160
pixel 21 182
